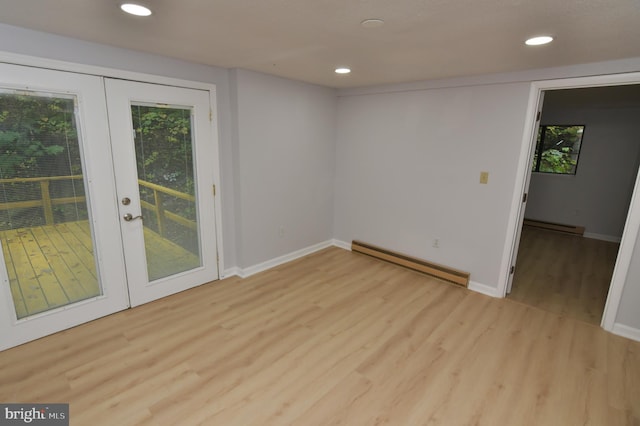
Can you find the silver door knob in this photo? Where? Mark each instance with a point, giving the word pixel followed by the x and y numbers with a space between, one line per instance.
pixel 129 217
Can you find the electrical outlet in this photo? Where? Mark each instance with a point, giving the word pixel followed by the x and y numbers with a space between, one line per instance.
pixel 484 177
pixel 436 242
pixel 281 232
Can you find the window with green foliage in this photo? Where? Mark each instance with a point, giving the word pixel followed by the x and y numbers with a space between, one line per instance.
pixel 557 149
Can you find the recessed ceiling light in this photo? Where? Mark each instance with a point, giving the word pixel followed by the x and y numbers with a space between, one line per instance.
pixel 135 9
pixel 343 70
pixel 537 41
pixel 372 23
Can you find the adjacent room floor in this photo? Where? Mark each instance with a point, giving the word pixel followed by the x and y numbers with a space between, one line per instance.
pixel 564 273
pixel 333 338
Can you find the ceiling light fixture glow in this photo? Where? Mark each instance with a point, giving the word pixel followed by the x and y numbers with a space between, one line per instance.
pixel 343 70
pixel 135 9
pixel 537 41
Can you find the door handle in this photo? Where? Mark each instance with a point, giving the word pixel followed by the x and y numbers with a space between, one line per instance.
pixel 129 217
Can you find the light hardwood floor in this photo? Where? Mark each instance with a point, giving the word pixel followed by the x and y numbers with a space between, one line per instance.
pixel 333 338
pixel 564 273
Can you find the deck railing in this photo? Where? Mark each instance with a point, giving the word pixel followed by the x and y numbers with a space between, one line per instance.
pixel 47 201
pixel 163 214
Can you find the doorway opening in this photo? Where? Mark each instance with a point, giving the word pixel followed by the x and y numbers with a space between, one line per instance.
pixel 573 275
pixel 104 203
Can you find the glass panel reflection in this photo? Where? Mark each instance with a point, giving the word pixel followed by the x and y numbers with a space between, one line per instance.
pixel 45 230
pixel 166 182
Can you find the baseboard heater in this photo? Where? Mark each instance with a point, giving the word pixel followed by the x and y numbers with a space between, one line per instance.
pixel 572 229
pixel 439 271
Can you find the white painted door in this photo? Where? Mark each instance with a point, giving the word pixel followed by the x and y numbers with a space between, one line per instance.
pixel 163 155
pixel 62 262
pixel 523 207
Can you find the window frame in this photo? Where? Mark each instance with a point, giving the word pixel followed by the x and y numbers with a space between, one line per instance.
pixel 539 144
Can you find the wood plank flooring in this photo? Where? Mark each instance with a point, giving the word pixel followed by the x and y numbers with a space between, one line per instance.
pixel 49 266
pixel 333 338
pixel 53 266
pixel 564 273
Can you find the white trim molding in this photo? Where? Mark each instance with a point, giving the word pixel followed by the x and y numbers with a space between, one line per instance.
pixel 236 271
pixel 101 71
pixel 341 244
pixel 626 331
pixel 484 289
pixel 602 237
pixel 632 225
pixel 230 272
pixel 261 267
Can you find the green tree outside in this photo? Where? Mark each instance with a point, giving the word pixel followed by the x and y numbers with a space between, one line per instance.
pixel 560 146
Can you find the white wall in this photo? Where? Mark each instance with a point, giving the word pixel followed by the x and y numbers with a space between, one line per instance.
pixel 284 136
pixel 33 43
pixel 408 158
pixel 598 196
pixel 408 168
pixel 276 136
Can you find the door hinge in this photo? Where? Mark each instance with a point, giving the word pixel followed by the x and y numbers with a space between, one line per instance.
pixel 524 197
pixel 512 270
pixel 210 115
pixel 214 190
pixel 538 116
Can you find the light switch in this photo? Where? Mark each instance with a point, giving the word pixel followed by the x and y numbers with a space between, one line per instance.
pixel 484 177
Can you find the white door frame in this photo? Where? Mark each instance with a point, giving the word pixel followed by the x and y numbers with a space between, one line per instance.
pixel 36 329
pixel 99 184
pixel 632 224
pixel 54 64
pixel 121 95
pixel 527 182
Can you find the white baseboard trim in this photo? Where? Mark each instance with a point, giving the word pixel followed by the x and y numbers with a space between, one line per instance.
pixel 602 237
pixel 341 244
pixel 230 272
pixel 626 331
pixel 484 289
pixel 260 267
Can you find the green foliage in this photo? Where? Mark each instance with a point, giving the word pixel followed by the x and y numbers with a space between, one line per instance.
pixel 34 133
pixel 554 161
pixel 38 138
pixel 560 146
pixel 163 146
pixel 164 156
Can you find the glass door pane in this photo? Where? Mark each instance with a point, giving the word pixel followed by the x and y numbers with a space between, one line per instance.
pixel 166 183
pixel 164 156
pixel 44 216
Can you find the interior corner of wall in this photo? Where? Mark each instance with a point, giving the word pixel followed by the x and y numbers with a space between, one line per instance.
pixel 626 331
pixel 484 289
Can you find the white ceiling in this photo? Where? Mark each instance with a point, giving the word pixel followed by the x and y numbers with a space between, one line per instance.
pixel 306 39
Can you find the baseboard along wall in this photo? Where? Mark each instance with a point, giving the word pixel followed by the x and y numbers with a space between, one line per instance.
pixel 626 331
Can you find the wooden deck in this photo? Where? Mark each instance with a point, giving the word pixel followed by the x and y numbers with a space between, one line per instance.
pixel 52 266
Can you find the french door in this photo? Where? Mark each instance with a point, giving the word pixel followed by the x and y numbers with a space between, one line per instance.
pixel 105 197
pixel 162 155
